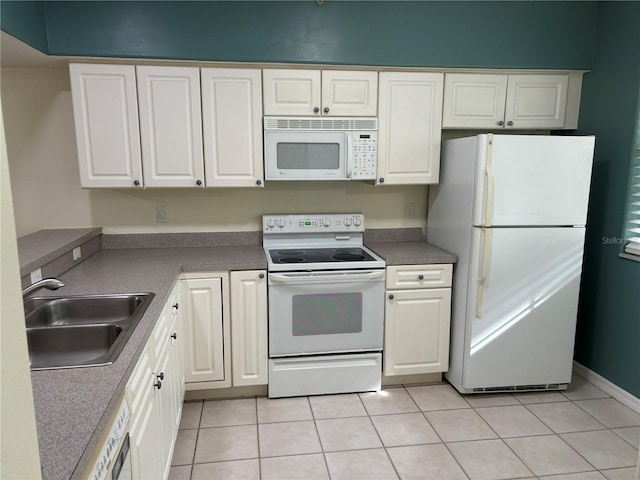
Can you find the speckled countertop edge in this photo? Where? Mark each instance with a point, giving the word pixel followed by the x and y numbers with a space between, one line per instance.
pixel 73 406
pixel 38 248
pixel 411 253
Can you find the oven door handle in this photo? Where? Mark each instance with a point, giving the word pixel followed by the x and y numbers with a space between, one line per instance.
pixel 325 277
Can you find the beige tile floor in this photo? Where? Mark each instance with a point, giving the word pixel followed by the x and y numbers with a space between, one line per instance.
pixel 423 432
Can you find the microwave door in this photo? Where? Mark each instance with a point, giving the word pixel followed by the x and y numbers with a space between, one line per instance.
pixel 305 155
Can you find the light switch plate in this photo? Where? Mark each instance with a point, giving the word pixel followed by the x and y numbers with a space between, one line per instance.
pixel 36 275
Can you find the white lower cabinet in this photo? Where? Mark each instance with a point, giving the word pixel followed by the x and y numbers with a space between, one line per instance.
pixel 417 319
pixel 204 297
pixel 249 341
pixel 152 392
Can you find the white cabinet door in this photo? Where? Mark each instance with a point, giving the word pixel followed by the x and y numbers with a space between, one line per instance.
pixel 170 126
pixel 105 111
pixel 474 100
pixel 349 93
pixel 409 123
pixel 164 376
pixel 204 357
pixel 145 429
pixel 232 122
pixel 417 331
pixel 249 341
pixel 291 92
pixel 536 101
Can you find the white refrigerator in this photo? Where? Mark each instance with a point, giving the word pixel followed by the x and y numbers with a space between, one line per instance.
pixel 513 209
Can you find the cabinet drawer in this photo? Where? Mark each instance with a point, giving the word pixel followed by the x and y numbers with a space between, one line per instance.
pixel 419 276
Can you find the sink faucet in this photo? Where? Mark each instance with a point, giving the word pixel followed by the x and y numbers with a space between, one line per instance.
pixel 50 283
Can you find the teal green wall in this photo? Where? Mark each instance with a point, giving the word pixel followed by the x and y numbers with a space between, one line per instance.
pixel 416 33
pixel 608 339
pixel 26 21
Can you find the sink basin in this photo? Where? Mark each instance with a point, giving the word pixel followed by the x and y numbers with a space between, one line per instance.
pixel 81 331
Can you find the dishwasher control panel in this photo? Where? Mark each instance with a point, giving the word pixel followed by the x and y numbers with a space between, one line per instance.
pixel 111 444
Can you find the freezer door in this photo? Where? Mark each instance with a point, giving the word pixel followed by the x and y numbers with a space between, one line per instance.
pixel 522 306
pixel 533 180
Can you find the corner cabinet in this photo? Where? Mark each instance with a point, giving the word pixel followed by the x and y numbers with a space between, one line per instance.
pixel 417 319
pixel 409 124
pixel 105 112
pixel 155 392
pixel 337 93
pixel 232 123
pixel 511 101
pixel 207 340
pixel 249 341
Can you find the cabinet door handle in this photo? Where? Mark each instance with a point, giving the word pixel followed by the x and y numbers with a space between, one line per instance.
pixel 136 183
pixel 158 385
pixel 510 123
pixel 420 277
pixel 391 297
pixel 174 335
pixel 500 123
pixel 381 179
pixel 326 110
pixel 175 306
pixel 261 275
pixel 198 182
pixel 316 110
pixel 258 182
pixel 161 376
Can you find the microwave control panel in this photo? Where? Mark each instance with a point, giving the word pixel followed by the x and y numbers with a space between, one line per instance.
pixel 364 155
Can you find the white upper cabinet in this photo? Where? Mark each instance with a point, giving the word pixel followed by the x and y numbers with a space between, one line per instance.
pixel 170 126
pixel 232 121
pixel 536 101
pixel 495 101
pixel 315 92
pixel 349 93
pixel 409 124
pixel 105 110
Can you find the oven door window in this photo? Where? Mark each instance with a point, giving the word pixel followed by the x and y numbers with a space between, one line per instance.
pixel 326 314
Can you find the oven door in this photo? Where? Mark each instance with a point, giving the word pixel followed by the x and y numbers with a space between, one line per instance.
pixel 325 312
pixel 305 155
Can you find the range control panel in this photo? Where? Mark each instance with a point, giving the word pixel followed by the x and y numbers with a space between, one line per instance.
pixel 323 223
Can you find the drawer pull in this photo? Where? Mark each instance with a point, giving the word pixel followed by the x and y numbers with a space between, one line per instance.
pixel 420 277
pixel 391 297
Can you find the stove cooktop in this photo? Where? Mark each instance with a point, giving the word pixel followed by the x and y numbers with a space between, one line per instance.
pixel 319 255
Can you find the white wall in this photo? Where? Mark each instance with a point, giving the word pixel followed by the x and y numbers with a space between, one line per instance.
pixel 19 457
pixel 47 193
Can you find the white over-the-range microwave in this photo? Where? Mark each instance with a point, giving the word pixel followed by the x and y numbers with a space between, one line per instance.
pixel 327 148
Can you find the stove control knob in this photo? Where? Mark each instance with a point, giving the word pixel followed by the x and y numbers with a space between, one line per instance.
pixel 281 223
pixel 347 222
pixel 357 221
pixel 326 222
pixel 271 223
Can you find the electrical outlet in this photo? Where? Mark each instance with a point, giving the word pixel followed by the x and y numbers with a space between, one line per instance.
pixel 409 210
pixel 162 214
pixel 36 275
pixel 77 253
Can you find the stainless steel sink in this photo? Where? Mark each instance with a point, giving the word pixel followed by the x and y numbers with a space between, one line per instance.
pixel 81 331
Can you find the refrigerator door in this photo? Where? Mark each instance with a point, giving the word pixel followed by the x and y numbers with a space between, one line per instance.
pixel 532 180
pixel 522 306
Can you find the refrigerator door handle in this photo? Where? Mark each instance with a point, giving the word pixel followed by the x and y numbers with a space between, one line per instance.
pixel 490 180
pixel 486 232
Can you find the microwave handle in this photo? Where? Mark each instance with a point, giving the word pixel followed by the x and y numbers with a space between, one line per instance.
pixel 349 153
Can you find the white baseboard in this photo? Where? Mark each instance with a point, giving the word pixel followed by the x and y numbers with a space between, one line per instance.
pixel 606 386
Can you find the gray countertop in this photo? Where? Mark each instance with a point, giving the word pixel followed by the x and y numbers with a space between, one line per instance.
pixel 73 406
pixel 40 247
pixel 410 253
